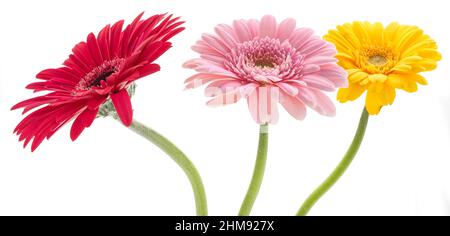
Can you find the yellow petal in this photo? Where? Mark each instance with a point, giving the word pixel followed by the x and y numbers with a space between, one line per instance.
pixel 411 60
pixel 357 76
pixel 402 68
pixel 377 33
pixel 390 94
pixel 425 65
pixel 385 94
pixel 346 61
pixel 407 39
pixel 426 43
pixel 391 30
pixel 419 79
pixel 431 54
pixel 351 93
pixel 379 95
pixel 342 43
pixel 381 78
pixel 373 105
pixel 395 81
pixel 405 81
pixel 360 31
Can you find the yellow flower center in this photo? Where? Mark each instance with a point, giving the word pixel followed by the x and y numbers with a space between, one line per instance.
pixel 377 59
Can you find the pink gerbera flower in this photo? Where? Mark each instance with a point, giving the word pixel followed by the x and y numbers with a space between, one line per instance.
pixel 99 69
pixel 267 63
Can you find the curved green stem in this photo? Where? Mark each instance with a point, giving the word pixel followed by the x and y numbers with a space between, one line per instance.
pixel 340 169
pixel 180 158
pixel 258 172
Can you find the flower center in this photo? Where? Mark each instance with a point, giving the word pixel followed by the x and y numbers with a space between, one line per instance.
pixel 99 74
pixel 265 60
pixel 378 60
pixel 102 77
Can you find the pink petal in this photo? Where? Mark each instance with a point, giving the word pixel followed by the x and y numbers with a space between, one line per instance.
pixel 289 89
pixel 203 48
pixel 217 60
pixel 201 79
pixel 336 74
pixel 315 45
pixel 215 43
pixel 253 26
pixel 293 106
pixel 306 96
pixel 319 82
pixel 227 35
pixel 326 50
pixel 268 26
pixel 222 86
pixel 262 103
pixel 225 98
pixel 319 60
pixel 122 103
pixel 242 32
pixel 300 37
pixel 318 101
pixel 285 29
pixel 204 66
pixel 310 68
pixel 247 89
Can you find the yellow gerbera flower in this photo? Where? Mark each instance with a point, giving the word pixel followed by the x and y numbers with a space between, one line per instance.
pixel 381 59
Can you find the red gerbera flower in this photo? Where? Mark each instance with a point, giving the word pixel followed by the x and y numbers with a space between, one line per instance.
pixel 99 69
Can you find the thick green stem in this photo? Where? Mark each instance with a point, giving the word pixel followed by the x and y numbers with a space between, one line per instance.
pixel 258 172
pixel 180 158
pixel 340 169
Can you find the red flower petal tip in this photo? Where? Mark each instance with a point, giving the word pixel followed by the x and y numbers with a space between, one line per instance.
pixel 122 103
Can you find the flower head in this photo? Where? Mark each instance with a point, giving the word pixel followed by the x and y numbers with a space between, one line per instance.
pixel 267 63
pixel 99 69
pixel 381 59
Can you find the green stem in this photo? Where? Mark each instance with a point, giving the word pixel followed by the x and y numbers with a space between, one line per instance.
pixel 340 169
pixel 180 158
pixel 258 172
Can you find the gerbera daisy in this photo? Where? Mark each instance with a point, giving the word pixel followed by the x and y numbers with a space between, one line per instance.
pixel 267 63
pixel 381 59
pixel 378 60
pixel 99 69
pixel 98 80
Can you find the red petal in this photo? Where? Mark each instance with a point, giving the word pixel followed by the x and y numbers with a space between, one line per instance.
pixel 149 69
pixel 94 49
pixel 103 42
pixel 81 51
pixel 84 120
pixel 173 33
pixel 116 31
pixel 94 103
pixel 122 103
pixel 155 50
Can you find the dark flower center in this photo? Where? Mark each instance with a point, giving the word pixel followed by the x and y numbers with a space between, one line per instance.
pixel 102 77
pixel 98 74
pixel 265 63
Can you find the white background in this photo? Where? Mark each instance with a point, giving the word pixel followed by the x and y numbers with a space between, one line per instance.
pixel 403 167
